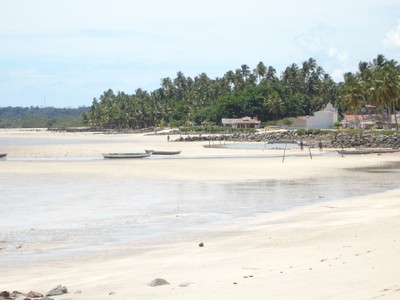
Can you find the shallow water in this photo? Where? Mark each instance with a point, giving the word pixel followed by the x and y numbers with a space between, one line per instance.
pixel 93 214
pixel 48 218
pixel 23 140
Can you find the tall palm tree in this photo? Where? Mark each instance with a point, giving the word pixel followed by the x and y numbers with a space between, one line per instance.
pixel 260 71
pixel 168 86
pixel 275 104
pixel 270 76
pixel 239 80
pixel 385 89
pixel 245 69
pixel 230 78
pixel 308 67
pixel 379 61
pixel 353 94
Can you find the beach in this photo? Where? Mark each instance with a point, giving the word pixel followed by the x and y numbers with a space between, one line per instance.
pixel 106 228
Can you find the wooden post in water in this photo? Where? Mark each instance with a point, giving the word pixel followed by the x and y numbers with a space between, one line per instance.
pixel 342 149
pixel 284 153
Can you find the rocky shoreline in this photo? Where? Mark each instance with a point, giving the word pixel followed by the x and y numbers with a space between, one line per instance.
pixel 57 291
pixel 329 139
pixel 332 139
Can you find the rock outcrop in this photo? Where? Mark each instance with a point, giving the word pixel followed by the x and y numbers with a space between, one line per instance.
pixel 334 139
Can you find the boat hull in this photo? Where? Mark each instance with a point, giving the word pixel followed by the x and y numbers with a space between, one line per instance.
pixel 367 151
pixel 155 152
pixel 126 155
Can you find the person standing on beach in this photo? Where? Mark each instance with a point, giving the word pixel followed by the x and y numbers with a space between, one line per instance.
pixel 320 146
pixel 168 138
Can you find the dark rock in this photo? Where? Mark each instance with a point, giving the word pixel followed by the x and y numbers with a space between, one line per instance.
pixel 33 294
pixel 15 294
pixel 58 290
pixel 5 294
pixel 185 284
pixel 332 139
pixel 201 244
pixel 158 282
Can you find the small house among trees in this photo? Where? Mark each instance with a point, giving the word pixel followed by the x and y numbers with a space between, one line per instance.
pixel 369 121
pixel 245 122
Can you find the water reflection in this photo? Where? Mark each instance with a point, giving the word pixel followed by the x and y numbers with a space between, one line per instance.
pixel 391 167
pixel 89 214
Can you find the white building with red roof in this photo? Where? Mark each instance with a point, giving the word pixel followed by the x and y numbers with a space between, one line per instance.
pixel 323 119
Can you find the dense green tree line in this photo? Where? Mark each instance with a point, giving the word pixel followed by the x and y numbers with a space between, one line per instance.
pixel 244 92
pixel 35 117
pixel 299 90
pixel 375 86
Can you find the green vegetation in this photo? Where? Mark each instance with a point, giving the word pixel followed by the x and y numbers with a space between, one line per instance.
pixel 375 87
pixel 384 132
pixel 360 131
pixel 186 101
pixel 300 90
pixel 35 117
pixel 312 131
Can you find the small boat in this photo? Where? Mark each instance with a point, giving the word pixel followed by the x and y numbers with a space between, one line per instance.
pixel 125 155
pixel 155 152
pixel 367 151
pixel 347 152
pixel 2 155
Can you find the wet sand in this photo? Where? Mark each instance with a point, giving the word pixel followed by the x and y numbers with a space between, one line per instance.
pixel 343 249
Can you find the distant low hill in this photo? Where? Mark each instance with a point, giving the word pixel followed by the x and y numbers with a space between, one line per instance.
pixel 41 117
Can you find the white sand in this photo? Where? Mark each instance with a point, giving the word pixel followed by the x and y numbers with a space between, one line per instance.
pixel 338 250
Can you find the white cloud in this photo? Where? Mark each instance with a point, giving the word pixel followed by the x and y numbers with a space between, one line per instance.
pixel 126 44
pixel 392 38
pixel 341 56
pixel 339 63
pixel 316 38
pixel 337 75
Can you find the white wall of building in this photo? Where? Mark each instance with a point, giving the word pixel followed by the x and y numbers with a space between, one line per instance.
pixel 323 119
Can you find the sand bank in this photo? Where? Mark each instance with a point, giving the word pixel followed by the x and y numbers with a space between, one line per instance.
pixel 337 250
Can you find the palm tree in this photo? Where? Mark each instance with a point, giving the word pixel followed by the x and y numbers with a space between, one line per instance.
pixel 274 104
pixel 168 86
pixel 308 67
pixel 245 71
pixel 230 79
pixel 270 76
pixel 292 78
pixel 260 71
pixel 353 94
pixel 385 89
pixel 379 61
pixel 239 80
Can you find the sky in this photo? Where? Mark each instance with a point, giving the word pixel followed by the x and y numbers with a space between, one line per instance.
pixel 65 53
